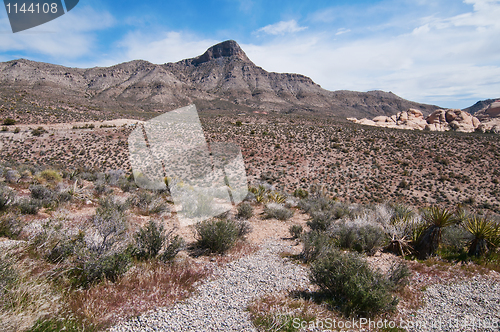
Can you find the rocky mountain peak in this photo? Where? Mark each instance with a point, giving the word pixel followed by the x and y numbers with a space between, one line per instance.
pixel 228 48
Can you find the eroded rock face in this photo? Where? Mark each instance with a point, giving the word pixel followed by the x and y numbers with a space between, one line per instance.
pixel 439 120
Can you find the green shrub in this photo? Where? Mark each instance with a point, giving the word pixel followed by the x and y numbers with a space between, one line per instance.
pixel 174 246
pixel 148 203
pixel 349 282
pixel 455 238
pixel 10 226
pixel 300 193
pixel 217 235
pixel 315 243
pixel 7 197
pixel 5 128
pixel 29 206
pixel 399 275
pixel 110 222
pixel 17 130
pixel 9 122
pixel 41 192
pixel 149 240
pixel 277 211
pixel 360 237
pixel 126 185
pixel 245 211
pixel 51 175
pixel 38 132
pixel 98 268
pixel 8 278
pixel 296 231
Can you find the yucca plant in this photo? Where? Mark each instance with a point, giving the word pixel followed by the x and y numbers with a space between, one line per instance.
pixel 486 235
pixel 436 219
pixel 276 197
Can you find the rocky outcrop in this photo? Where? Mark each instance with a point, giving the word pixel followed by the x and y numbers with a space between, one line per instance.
pixel 439 120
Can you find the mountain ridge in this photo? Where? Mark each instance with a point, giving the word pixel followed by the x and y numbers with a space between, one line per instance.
pixel 222 77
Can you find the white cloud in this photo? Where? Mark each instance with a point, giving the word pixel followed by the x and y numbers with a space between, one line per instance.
pixel 282 28
pixel 448 60
pixel 69 36
pixel 342 31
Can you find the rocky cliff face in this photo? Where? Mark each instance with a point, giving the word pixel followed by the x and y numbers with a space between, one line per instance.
pixel 439 120
pixel 223 75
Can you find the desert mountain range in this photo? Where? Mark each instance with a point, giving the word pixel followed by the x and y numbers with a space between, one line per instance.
pixel 221 78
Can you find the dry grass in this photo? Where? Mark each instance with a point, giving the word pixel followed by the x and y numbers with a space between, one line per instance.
pixel 144 287
pixel 30 296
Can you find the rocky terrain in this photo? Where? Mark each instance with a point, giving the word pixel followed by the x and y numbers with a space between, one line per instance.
pixel 441 120
pixel 222 78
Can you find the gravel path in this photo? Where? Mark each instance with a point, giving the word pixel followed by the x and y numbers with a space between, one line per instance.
pixel 472 305
pixel 220 304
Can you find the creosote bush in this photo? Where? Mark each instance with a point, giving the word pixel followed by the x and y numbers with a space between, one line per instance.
pixel 245 211
pixel 219 235
pixel 362 237
pixel 277 211
pixel 296 231
pixel 349 282
pixel 7 197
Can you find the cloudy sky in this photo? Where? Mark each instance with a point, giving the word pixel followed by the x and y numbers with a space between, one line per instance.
pixel 443 52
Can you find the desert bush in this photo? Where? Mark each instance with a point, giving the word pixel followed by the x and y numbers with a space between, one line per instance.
pixel 436 219
pixel 174 245
pixel 10 226
pixel 149 240
pixel 101 187
pixel 38 131
pixel 126 185
pixel 8 278
pixel 351 284
pixel 217 235
pixel 148 203
pixel 300 193
pixel 277 211
pixel 245 211
pixel 359 236
pixel 316 243
pixel 29 206
pixel 296 231
pixel 455 238
pixel 113 176
pixel 9 122
pixel 97 268
pixel 50 175
pixel 41 193
pixel 7 197
pixel 110 222
pixel 12 176
pixel 398 275
pixel 4 128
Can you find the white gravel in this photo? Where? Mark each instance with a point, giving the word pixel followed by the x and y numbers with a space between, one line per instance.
pixel 472 305
pixel 220 304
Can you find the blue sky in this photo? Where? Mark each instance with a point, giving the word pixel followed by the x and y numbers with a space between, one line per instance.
pixel 444 52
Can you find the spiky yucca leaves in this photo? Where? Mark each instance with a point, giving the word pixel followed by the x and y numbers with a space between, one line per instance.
pixel 486 235
pixel 436 219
